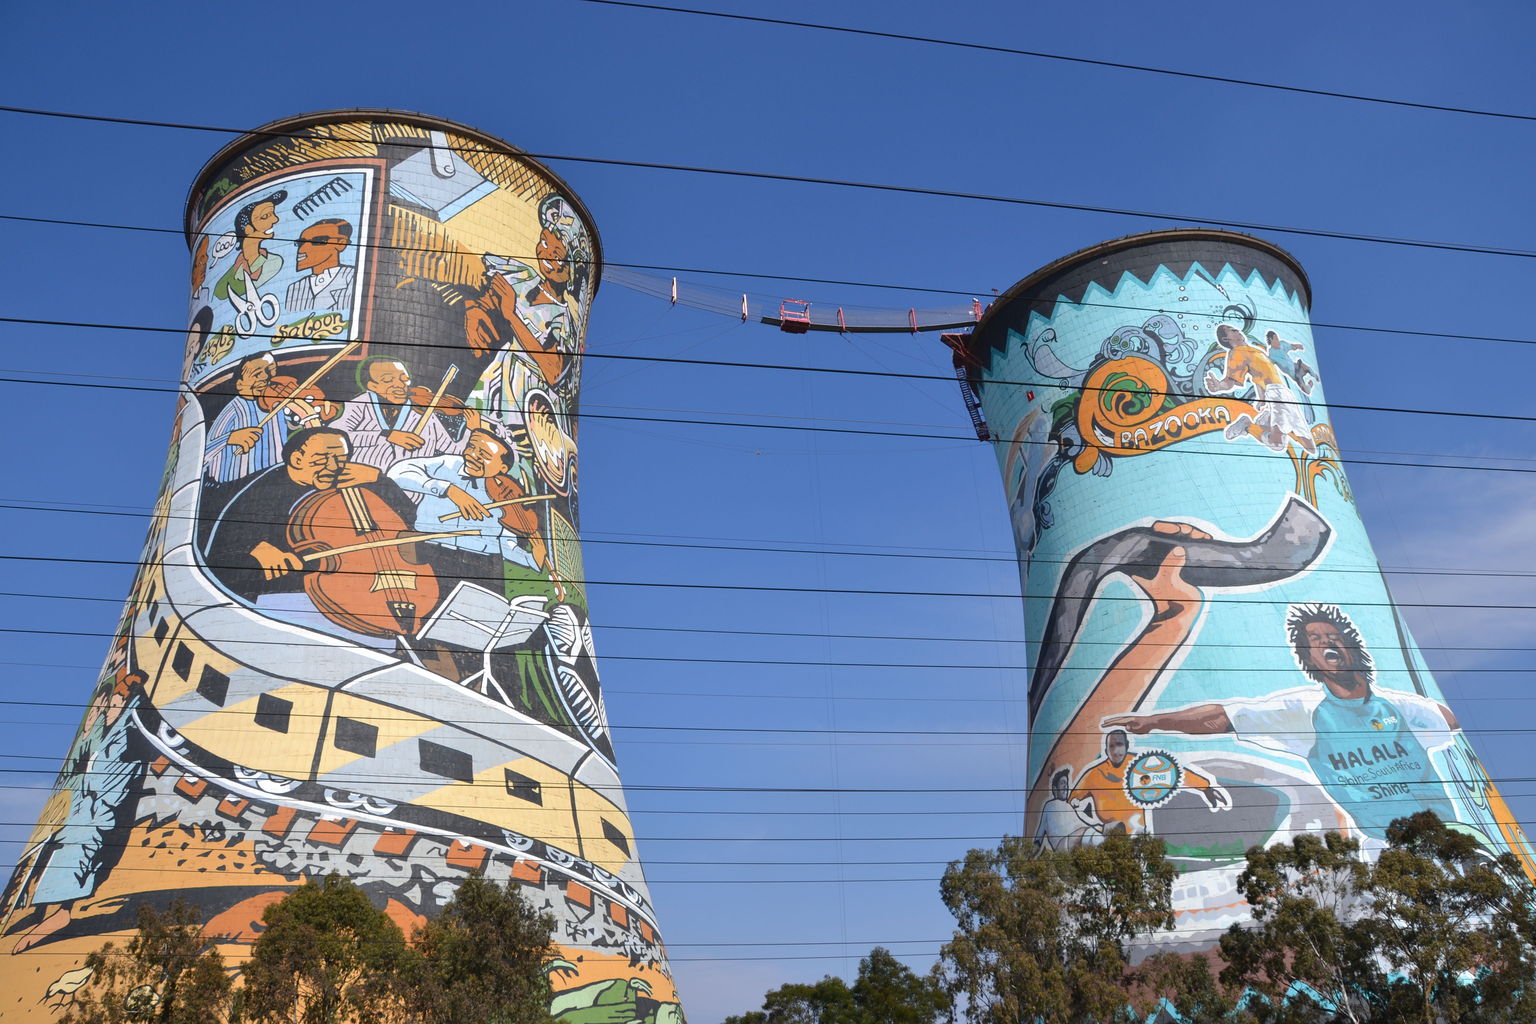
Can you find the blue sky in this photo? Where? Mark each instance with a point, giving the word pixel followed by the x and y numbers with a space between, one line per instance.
pixel 757 889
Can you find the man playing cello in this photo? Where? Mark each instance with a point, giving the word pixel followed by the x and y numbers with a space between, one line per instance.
pixel 249 548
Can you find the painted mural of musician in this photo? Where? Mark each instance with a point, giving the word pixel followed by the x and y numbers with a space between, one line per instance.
pixel 531 314
pixel 477 488
pixel 382 423
pixel 251 552
pixel 248 434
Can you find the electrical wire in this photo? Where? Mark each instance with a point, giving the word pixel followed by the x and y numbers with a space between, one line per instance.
pixel 1085 302
pixel 778 550
pixel 246 714
pixel 834 182
pixel 788 663
pixel 682 421
pixel 766 588
pixel 190 846
pixel 1089 61
pixel 169 387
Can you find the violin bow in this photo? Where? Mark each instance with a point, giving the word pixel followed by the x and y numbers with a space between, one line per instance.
pixel 347 549
pixel 451 516
pixel 426 414
pixel 324 367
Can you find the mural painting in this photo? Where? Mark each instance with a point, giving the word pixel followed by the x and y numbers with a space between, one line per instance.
pixel 1215 657
pixel 358 640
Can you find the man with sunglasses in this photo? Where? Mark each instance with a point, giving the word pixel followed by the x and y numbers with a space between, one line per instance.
pixel 327 287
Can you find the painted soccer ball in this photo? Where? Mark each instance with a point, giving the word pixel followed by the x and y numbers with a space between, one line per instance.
pixel 1152 778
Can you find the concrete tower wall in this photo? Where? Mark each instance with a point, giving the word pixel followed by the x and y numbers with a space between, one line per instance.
pixel 387 314
pixel 1215 656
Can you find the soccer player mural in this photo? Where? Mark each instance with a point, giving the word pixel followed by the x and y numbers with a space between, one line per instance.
pixel 358 638
pixel 1216 659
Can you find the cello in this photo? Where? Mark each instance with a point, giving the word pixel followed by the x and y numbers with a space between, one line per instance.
pixel 364 581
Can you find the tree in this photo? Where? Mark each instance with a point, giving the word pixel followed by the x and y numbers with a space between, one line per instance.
pixel 1437 930
pixel 482 961
pixel 828 1001
pixel 168 973
pixel 1299 956
pixel 885 992
pixel 1046 935
pixel 327 956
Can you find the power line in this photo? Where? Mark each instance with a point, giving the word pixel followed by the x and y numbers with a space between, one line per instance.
pixel 171 387
pixel 792 634
pixel 605 262
pixel 166 386
pixel 925 730
pixel 845 183
pixel 739 791
pixel 1090 61
pixel 969 439
pixel 770 633
pixel 782 663
pixel 1275 834
pixel 765 588
pixel 859 698
pixel 1368 570
pixel 802 279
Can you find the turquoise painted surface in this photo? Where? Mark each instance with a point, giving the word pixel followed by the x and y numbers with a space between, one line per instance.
pixel 1215 657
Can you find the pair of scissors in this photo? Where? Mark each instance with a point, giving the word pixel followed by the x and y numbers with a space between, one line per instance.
pixel 255 310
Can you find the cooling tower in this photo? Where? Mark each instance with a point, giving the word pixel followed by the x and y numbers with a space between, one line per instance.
pixel 358 640
pixel 1215 656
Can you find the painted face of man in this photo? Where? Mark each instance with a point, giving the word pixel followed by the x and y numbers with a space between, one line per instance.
pixel 200 265
pixel 320 463
pixel 1329 653
pixel 254 378
pixel 320 247
pixel 1229 336
pixel 1117 747
pixel 484 456
pixel 391 381
pixel 551 253
pixel 263 220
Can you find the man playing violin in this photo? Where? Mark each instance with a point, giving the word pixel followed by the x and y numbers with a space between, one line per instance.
pixel 248 548
pixel 383 425
pixel 243 438
pixel 456 491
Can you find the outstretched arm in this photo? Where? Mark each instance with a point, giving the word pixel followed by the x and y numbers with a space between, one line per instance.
pixel 1198 720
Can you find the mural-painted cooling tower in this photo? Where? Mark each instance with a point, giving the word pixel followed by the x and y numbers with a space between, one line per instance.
pixel 358 640
pixel 1215 657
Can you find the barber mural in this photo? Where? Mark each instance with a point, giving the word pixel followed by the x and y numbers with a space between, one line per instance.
pixel 358 640
pixel 1215 656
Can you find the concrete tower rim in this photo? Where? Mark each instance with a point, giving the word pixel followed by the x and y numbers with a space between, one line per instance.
pixel 1145 238
pixel 286 125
